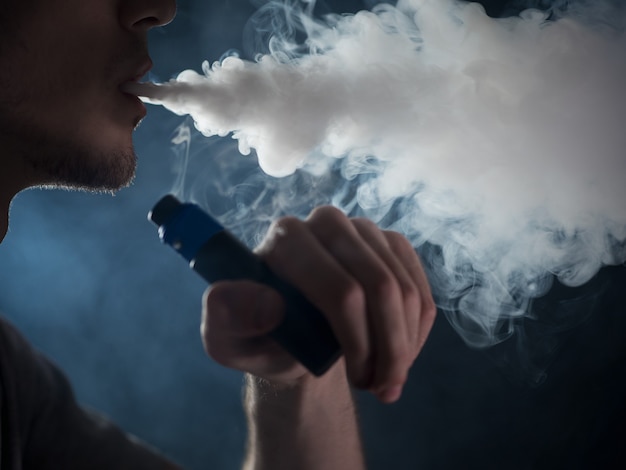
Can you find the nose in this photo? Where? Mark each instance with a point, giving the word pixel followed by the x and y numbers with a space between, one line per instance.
pixel 142 15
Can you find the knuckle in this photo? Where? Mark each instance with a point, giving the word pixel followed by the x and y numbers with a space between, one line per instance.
pixel 351 299
pixel 327 214
pixel 279 236
pixel 212 295
pixel 410 291
pixel 286 225
pixel 385 286
pixel 398 242
pixel 429 309
pixel 364 224
pixel 411 297
pixel 350 313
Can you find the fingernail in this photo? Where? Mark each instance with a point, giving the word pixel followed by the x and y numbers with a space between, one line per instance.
pixel 391 394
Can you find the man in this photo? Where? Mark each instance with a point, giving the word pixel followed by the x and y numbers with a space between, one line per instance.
pixel 64 122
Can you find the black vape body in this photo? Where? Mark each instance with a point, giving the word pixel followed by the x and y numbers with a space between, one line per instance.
pixel 217 255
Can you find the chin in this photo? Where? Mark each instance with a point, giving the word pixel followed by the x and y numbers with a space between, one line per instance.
pixel 92 169
pixel 117 172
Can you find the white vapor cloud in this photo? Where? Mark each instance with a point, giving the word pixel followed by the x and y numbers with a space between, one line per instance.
pixel 502 140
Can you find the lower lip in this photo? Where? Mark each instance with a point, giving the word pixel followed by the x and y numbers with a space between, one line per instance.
pixel 137 103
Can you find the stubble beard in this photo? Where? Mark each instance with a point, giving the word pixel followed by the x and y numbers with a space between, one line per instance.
pixel 63 163
pixel 91 169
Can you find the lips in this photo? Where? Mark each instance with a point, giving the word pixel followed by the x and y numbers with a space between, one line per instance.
pixel 142 70
pixel 126 87
pixel 139 72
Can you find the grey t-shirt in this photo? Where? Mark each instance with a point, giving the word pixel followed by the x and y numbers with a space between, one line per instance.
pixel 43 428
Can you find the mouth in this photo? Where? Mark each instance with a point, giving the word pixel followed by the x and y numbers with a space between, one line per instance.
pixel 126 88
pixel 142 70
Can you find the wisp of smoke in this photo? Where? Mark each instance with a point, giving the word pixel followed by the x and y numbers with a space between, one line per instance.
pixel 500 141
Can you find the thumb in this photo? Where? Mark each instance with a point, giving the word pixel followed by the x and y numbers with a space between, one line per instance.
pixel 242 308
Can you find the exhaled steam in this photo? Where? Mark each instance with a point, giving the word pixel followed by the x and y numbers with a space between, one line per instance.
pixel 501 141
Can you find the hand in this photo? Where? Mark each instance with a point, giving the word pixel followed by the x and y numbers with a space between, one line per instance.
pixel 369 283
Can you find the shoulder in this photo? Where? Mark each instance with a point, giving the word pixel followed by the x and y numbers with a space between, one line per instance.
pixel 42 406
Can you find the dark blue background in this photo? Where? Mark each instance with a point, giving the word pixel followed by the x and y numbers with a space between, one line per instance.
pixel 86 279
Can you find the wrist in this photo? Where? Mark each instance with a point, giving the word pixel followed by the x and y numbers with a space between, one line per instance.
pixel 309 416
pixel 332 381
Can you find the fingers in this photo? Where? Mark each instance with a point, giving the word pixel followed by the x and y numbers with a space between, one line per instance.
pixel 295 254
pixel 422 306
pixel 368 283
pixel 361 249
pixel 397 349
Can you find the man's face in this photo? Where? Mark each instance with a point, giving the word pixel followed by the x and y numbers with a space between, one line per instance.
pixel 61 65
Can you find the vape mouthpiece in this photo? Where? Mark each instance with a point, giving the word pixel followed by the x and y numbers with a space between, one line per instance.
pixel 148 92
pixel 217 255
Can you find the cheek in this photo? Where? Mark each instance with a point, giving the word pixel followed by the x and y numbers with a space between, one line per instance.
pixel 64 80
pixel 16 75
pixel 57 58
pixel 33 79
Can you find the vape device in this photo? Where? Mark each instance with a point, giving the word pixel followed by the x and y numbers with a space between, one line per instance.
pixel 217 255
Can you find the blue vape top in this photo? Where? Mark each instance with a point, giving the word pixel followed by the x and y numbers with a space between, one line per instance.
pixel 217 255
pixel 185 227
